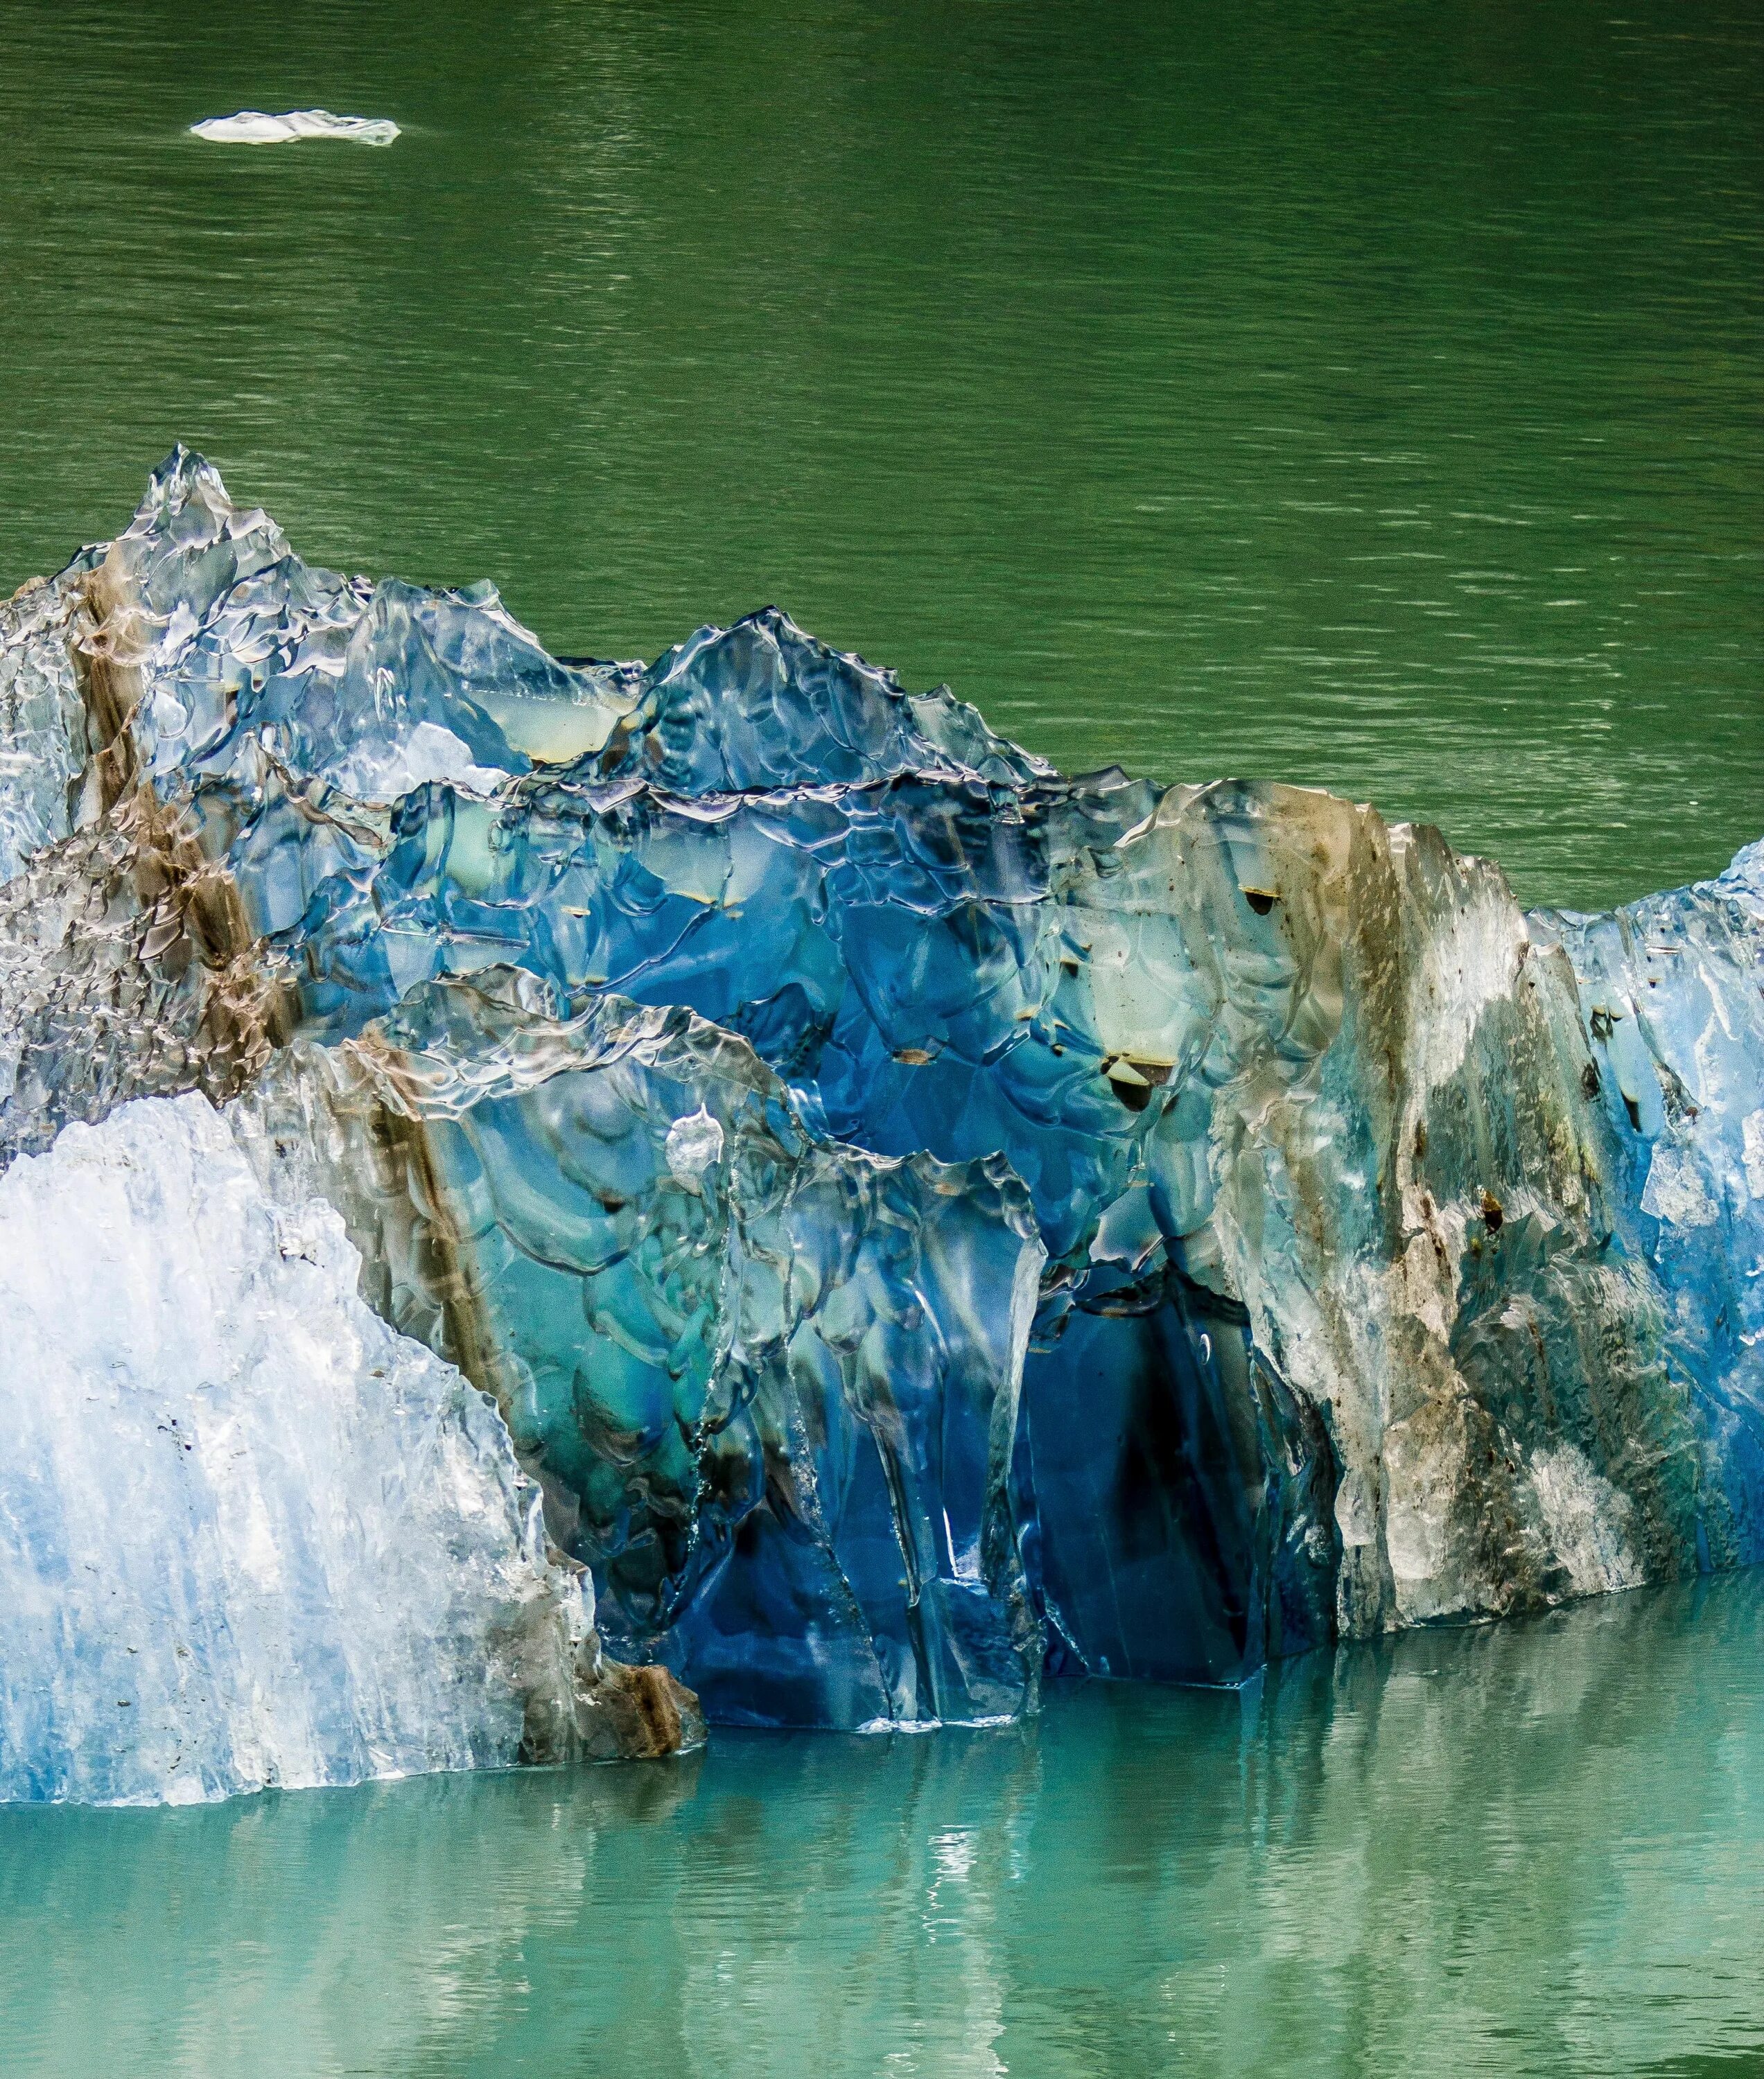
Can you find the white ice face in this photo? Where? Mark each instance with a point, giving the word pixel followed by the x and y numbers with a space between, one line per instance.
pixel 249 1535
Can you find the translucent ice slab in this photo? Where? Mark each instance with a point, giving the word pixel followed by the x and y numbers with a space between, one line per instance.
pixel 250 1535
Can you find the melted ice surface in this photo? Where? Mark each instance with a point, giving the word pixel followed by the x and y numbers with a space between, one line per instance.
pixel 250 126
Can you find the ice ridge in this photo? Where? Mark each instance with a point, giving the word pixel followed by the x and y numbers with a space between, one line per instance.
pixel 914 1211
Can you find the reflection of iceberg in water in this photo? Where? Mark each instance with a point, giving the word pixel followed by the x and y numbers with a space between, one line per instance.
pixel 250 126
pixel 1555 1804
pixel 1196 1222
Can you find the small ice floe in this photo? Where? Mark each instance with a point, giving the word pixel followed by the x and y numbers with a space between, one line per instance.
pixel 252 127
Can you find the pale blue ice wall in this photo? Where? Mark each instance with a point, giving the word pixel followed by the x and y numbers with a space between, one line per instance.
pixel 1672 988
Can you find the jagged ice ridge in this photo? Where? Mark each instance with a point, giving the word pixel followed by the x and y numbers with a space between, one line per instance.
pixel 916 1214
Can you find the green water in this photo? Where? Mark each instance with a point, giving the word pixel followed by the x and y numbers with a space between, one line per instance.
pixel 1372 397
pixel 1534 1849
pixel 1369 397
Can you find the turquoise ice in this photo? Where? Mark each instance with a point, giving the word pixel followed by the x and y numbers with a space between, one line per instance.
pixel 919 1215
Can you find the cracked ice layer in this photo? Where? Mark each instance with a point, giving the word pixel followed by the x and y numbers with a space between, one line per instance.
pixel 237 666
pixel 250 126
pixel 770 1383
pixel 248 1535
pixel 1368 1299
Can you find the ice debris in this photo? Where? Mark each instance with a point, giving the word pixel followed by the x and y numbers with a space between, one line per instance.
pixel 251 126
pixel 901 1198
pixel 249 1535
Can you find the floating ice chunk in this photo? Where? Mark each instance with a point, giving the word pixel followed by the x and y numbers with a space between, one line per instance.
pixel 249 1535
pixel 1363 1198
pixel 250 126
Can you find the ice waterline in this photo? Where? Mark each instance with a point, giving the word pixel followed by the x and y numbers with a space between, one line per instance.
pixel 908 1220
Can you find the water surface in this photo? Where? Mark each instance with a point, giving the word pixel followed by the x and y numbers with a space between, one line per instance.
pixel 1371 399
pixel 1536 1848
pixel 1367 397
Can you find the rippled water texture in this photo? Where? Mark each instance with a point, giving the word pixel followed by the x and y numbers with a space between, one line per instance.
pixel 1537 1848
pixel 1367 397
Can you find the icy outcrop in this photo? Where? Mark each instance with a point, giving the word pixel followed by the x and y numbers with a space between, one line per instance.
pixel 250 126
pixel 249 1535
pixel 707 1057
pixel 1672 988
pixel 770 1382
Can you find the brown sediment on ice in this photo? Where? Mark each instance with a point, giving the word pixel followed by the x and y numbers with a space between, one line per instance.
pixel 127 967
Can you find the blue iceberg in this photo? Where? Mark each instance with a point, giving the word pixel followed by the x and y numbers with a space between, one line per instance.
pixel 768 1383
pixel 918 1216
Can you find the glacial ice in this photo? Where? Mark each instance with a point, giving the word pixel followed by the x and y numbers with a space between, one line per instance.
pixel 769 1382
pixel 249 1535
pixel 250 126
pixel 1672 990
pixel 900 1198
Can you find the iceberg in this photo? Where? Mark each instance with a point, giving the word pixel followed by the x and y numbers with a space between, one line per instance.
pixel 250 126
pixel 1672 991
pixel 769 1382
pixel 250 1535
pixel 920 1217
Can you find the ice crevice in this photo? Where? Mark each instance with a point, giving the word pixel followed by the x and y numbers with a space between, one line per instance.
pixel 910 1220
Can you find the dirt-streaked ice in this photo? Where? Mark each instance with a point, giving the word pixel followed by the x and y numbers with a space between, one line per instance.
pixel 729 1055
